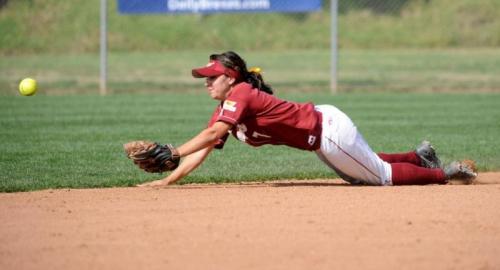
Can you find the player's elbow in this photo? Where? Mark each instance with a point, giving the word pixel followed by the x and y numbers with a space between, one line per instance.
pixel 217 131
pixel 211 135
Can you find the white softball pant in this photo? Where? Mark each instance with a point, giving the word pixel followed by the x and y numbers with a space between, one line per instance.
pixel 345 150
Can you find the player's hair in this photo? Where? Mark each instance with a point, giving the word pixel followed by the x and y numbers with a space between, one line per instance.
pixel 233 61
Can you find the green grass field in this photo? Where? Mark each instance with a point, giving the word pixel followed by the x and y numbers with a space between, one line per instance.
pixel 55 26
pixel 75 141
pixel 464 70
pixel 68 136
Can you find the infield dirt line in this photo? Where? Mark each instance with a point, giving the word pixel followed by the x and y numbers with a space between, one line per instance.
pixel 289 224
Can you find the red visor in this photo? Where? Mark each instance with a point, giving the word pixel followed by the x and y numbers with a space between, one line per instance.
pixel 214 68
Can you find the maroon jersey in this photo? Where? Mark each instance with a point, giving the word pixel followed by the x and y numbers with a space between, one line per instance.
pixel 259 118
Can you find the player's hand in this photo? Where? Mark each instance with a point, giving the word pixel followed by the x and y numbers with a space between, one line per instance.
pixel 155 184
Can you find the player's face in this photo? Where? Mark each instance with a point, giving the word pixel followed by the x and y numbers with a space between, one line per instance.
pixel 218 86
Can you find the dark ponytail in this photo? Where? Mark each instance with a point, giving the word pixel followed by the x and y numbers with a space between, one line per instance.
pixel 233 61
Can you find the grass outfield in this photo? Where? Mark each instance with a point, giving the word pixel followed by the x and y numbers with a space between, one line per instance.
pixel 465 70
pixel 75 141
pixel 73 26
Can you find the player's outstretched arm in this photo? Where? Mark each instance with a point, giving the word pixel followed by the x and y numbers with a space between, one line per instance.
pixel 208 137
pixel 189 164
pixel 194 153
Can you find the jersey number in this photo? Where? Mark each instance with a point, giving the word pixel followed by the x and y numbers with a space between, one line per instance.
pixel 241 133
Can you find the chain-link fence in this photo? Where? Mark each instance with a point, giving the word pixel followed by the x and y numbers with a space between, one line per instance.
pixel 384 45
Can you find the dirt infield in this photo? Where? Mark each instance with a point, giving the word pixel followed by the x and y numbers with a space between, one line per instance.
pixel 274 225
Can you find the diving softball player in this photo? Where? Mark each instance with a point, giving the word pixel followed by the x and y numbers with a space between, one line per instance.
pixel 249 112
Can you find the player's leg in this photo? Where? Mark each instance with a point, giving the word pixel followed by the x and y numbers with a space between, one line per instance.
pixel 409 157
pixel 410 174
pixel 423 156
pixel 345 150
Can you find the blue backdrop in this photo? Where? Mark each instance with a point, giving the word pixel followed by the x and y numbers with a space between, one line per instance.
pixel 216 6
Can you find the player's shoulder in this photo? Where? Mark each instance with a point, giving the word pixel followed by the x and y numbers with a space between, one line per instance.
pixel 243 87
pixel 246 92
pixel 242 90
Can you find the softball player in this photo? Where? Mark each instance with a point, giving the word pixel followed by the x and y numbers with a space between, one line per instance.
pixel 248 111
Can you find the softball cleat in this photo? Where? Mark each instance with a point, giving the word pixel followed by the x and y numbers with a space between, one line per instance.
pixel 461 170
pixel 427 154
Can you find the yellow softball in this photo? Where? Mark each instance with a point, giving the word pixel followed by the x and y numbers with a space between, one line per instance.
pixel 27 87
